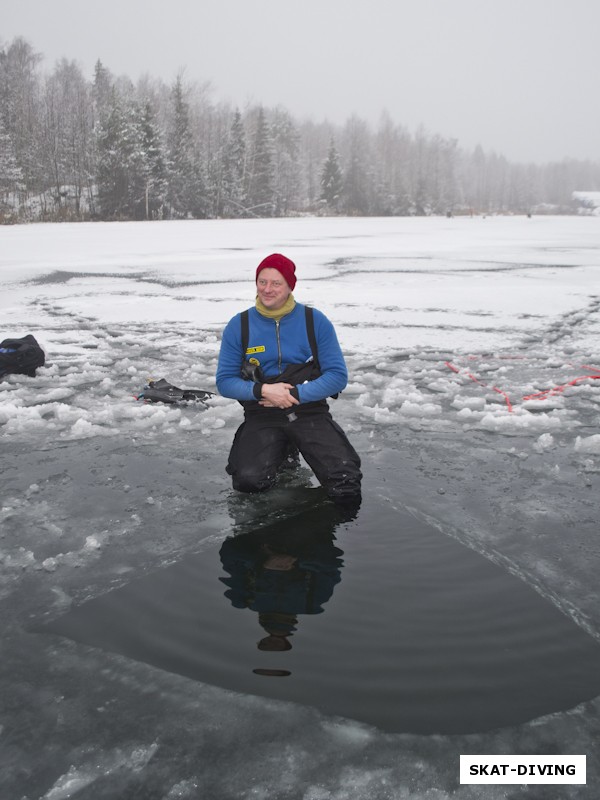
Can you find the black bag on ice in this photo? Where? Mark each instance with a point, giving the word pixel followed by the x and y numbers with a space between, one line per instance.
pixel 22 356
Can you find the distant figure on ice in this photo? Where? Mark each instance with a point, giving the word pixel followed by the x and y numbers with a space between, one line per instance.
pixel 281 360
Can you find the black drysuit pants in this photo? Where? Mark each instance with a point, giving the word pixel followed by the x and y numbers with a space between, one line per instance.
pixel 263 440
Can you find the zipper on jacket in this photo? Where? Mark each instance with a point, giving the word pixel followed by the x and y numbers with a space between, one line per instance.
pixel 278 345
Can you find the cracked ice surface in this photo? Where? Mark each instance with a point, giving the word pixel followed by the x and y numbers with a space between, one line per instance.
pixel 471 345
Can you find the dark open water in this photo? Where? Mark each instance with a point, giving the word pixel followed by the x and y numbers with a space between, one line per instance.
pixel 382 619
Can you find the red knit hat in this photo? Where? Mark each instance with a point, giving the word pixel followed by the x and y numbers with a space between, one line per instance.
pixel 281 264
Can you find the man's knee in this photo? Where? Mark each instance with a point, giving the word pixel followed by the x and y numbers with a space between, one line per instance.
pixel 341 477
pixel 345 479
pixel 250 481
pixel 331 456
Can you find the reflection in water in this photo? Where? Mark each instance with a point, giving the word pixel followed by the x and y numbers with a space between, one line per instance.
pixel 281 575
pixel 423 635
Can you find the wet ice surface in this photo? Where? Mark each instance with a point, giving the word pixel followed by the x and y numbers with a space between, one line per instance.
pixel 99 490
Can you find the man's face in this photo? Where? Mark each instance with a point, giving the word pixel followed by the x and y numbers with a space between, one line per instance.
pixel 272 288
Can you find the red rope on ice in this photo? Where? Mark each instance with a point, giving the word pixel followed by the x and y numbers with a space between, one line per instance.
pixel 593 374
pixel 481 383
pixel 558 389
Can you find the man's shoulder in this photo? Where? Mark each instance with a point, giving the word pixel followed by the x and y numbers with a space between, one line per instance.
pixel 237 317
pixel 299 314
pixel 317 313
pixel 319 317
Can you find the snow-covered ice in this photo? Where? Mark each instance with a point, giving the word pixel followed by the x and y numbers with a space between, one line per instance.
pixel 474 352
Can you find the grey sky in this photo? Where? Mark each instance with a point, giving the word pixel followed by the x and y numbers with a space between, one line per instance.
pixel 520 77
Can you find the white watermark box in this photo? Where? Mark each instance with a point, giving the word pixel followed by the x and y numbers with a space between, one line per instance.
pixel 522 769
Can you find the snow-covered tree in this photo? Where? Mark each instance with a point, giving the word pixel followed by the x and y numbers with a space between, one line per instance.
pixel 102 92
pixel 66 138
pixel 260 191
pixel 392 154
pixel 287 185
pixel 151 150
pixel 152 165
pixel 11 174
pixel 186 194
pixel 314 142
pixel 331 178
pixel 19 107
pixel 232 201
pixel 120 161
pixel 357 183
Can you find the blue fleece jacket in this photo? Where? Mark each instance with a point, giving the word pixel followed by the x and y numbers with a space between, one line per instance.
pixel 276 345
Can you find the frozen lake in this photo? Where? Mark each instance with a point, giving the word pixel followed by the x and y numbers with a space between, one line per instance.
pixel 473 347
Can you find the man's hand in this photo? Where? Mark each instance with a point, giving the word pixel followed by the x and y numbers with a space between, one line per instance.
pixel 277 395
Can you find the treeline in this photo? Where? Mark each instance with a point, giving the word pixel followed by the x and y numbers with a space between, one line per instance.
pixel 71 148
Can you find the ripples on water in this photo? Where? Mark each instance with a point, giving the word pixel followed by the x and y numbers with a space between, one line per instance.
pixel 382 619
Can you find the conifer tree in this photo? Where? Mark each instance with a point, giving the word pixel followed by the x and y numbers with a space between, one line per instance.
pixel 356 188
pixel 233 197
pixel 112 189
pixel 153 167
pixel 260 183
pixel 331 178
pixel 102 92
pixel 186 193
pixel 101 104
pixel 119 161
pixel 287 185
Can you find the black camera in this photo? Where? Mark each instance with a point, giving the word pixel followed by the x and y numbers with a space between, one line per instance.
pixel 252 372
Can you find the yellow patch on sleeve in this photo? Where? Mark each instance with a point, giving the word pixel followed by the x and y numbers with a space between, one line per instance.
pixel 259 349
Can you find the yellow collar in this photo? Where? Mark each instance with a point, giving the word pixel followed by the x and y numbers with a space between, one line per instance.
pixel 277 314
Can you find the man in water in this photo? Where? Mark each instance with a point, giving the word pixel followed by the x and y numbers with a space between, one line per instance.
pixel 282 362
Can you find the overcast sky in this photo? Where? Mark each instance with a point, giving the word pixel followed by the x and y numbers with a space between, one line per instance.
pixel 521 77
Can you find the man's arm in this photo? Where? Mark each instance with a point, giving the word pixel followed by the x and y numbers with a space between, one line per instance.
pixel 229 380
pixel 334 374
